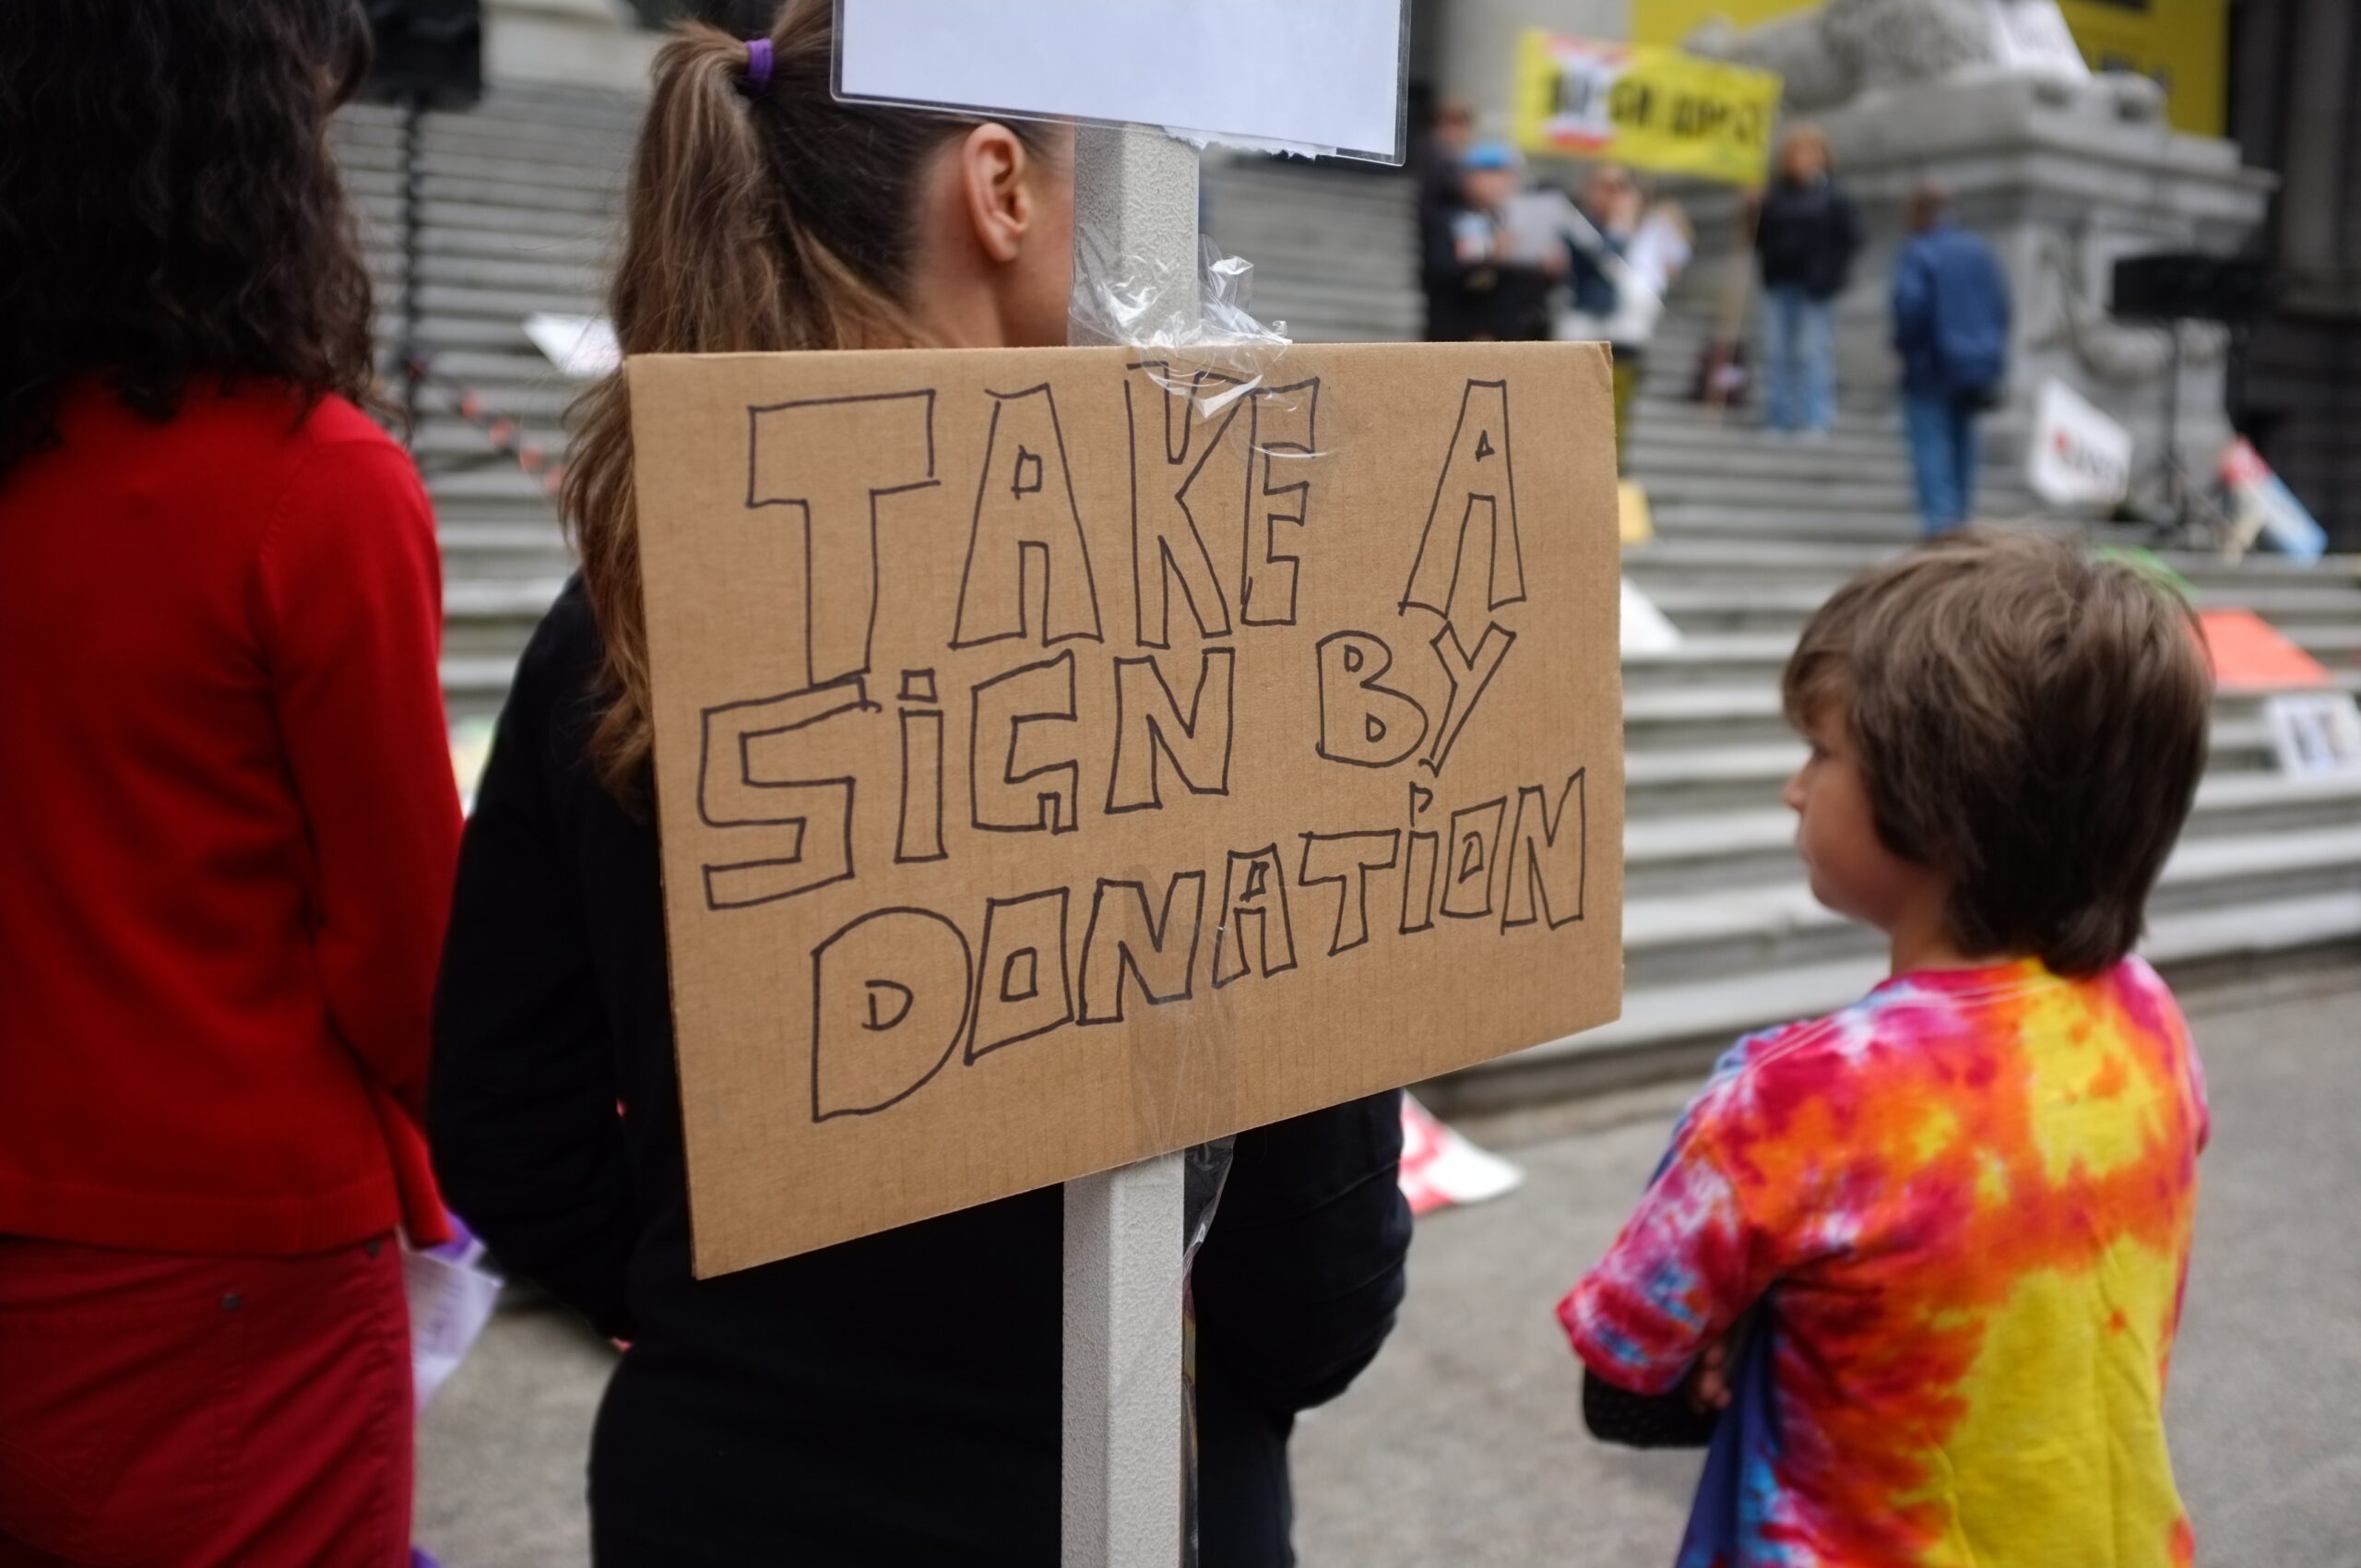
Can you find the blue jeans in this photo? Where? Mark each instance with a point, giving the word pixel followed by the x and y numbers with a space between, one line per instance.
pixel 1800 352
pixel 1942 456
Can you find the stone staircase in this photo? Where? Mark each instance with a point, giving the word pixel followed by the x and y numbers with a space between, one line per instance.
pixel 517 198
pixel 1720 933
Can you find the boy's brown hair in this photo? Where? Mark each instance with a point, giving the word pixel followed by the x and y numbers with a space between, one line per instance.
pixel 2030 719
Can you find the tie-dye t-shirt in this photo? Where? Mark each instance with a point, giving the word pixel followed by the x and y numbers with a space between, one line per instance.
pixel 1955 1219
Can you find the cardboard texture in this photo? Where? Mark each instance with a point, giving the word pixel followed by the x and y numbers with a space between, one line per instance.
pixel 1063 757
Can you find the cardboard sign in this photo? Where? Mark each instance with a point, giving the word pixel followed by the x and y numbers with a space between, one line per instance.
pixel 1309 76
pixel 1644 106
pixel 1063 756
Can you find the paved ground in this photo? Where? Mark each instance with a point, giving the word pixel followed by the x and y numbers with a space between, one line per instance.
pixel 1462 1445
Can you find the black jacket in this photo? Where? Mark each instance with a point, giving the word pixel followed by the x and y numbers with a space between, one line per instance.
pixel 1807 236
pixel 891 1401
pixel 1487 299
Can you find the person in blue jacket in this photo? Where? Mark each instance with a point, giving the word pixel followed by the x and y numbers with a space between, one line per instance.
pixel 1950 326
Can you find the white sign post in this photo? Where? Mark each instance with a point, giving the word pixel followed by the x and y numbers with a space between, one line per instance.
pixel 1310 77
pixel 1135 196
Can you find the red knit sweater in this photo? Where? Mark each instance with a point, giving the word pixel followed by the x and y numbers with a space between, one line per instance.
pixel 227 828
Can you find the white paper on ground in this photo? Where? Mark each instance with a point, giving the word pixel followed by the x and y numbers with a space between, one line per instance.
pixel 2315 733
pixel 1307 75
pixel 1441 1169
pixel 450 1300
pixel 580 345
pixel 1645 629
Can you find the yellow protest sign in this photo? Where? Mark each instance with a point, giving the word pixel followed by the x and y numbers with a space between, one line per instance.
pixel 1647 107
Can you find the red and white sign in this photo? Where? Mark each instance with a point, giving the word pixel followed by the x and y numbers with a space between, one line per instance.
pixel 1441 1169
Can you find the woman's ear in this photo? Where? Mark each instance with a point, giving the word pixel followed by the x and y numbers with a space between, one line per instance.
pixel 994 166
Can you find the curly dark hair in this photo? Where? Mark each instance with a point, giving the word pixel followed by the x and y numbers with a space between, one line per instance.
pixel 169 203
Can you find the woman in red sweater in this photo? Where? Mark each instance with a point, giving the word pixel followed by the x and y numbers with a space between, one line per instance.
pixel 227 815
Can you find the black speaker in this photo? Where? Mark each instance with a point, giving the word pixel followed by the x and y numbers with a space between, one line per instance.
pixel 430 51
pixel 2188 285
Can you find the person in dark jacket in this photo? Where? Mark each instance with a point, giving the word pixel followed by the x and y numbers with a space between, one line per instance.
pixel 1483 284
pixel 1806 234
pixel 1434 163
pixel 894 1399
pixel 1950 326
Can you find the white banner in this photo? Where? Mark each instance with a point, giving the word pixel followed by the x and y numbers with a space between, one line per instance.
pixel 2079 458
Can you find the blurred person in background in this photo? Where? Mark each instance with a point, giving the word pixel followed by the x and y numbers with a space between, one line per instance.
pixel 228 819
pixel 1807 234
pixel 1488 275
pixel 1435 166
pixel 896 1398
pixel 1624 256
pixel 1950 326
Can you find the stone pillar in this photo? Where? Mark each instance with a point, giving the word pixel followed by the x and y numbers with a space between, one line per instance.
pixel 2062 182
pixel 593 44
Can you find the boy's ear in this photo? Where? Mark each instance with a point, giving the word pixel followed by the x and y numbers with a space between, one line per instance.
pixel 993 164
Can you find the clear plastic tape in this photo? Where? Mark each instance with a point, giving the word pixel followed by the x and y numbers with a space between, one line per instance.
pixel 1215 352
pixel 1197 338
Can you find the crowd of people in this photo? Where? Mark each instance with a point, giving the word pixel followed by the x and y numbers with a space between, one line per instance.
pixel 265 1008
pixel 1506 257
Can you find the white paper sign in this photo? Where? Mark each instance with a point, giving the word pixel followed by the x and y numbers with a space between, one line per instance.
pixel 2079 457
pixel 1303 75
pixel 451 1295
pixel 2315 733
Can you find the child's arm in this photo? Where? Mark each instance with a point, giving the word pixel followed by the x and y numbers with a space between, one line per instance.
pixel 1687 1264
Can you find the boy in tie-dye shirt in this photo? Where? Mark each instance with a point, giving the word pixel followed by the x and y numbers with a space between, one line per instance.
pixel 1949 1223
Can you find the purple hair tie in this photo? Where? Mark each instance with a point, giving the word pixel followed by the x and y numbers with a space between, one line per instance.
pixel 758 65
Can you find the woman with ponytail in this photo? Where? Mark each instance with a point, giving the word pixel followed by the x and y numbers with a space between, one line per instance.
pixel 895 1399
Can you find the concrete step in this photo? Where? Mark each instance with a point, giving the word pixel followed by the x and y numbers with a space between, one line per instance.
pixel 442 443
pixel 1708 659
pixel 522 191
pixel 1701 851
pixel 549 281
pixel 1834 560
pixel 600 167
pixel 482 552
pixel 1673 1031
pixel 1737 601
pixel 1864 489
pixel 491 219
pixel 1669 940
pixel 1653 458
pixel 1668 791
pixel 1708 715
pixel 592 248
pixel 492 618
